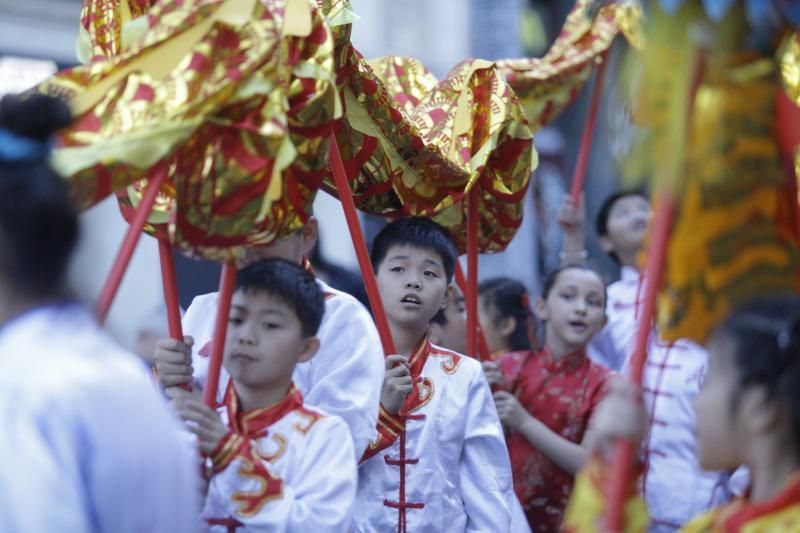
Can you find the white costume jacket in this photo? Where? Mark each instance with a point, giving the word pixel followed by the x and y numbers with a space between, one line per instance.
pixel 285 468
pixel 441 464
pixel 344 378
pixel 675 488
pixel 88 444
pixel 610 347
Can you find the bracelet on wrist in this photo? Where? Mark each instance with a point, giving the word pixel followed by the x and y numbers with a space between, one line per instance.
pixel 583 255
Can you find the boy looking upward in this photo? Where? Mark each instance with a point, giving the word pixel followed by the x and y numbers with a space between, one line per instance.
pixel 438 461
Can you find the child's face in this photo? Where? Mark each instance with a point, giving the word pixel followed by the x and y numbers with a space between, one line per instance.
pixel 627 224
pixel 264 340
pixel 575 308
pixel 495 331
pixel 453 334
pixel 717 436
pixel 412 282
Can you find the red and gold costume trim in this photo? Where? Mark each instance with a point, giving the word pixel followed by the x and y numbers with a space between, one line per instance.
pixel 252 424
pixel 392 427
pixel 588 506
pixel 270 486
pixel 242 443
pixel 226 451
pixel 782 513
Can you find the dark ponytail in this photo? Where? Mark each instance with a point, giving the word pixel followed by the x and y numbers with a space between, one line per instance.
pixel 38 224
pixel 504 298
pixel 766 339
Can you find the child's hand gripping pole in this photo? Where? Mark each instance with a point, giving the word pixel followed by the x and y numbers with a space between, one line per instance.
pixel 170 283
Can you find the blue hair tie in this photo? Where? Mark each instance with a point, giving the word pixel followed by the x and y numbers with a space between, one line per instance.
pixel 17 149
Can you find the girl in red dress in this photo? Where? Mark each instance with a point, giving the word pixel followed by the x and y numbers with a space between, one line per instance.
pixel 507 322
pixel 547 415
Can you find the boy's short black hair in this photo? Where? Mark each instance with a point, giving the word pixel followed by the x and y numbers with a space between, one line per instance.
pixel 439 318
pixel 291 284
pixel 419 232
pixel 601 223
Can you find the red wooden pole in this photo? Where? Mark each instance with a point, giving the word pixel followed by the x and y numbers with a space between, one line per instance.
pixel 170 284
pixel 579 174
pixel 654 268
pixel 471 292
pixel 227 281
pixel 483 346
pixel 156 177
pixel 346 197
pixel 787 116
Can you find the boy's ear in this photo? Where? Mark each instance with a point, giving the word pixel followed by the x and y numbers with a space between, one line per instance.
pixel 540 310
pixel 759 413
pixel 507 326
pixel 309 235
pixel 449 294
pixel 606 244
pixel 310 349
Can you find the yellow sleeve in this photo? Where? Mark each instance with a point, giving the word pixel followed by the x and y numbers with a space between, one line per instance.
pixel 702 523
pixel 587 505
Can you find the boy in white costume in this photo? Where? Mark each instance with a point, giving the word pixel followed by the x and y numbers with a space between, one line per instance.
pixel 278 465
pixel 438 460
pixel 675 488
pixel 87 443
pixel 342 379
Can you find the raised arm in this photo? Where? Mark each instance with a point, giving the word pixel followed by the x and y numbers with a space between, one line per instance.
pixel 572 219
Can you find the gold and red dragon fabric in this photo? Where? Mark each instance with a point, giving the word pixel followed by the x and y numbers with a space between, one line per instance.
pixel 735 233
pixel 411 145
pixel 234 98
pixel 547 85
pixel 415 147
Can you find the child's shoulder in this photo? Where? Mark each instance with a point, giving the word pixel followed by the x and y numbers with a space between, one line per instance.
pixel 598 372
pixel 306 419
pixel 205 300
pixel 455 364
pixel 340 302
pixel 335 296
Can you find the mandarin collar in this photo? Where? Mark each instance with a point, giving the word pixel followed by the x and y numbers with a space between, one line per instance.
pixel 252 423
pixel 629 274
pixel 570 361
